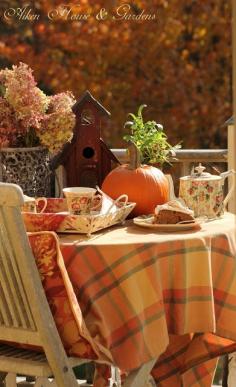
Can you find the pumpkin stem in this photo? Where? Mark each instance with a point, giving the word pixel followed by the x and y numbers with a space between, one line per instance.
pixel 134 156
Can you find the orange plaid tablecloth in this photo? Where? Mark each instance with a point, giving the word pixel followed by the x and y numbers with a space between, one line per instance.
pixel 145 295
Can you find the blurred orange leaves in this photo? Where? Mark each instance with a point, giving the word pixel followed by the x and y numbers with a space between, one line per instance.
pixel 179 64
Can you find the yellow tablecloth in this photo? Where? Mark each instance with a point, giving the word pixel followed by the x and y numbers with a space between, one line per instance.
pixel 170 296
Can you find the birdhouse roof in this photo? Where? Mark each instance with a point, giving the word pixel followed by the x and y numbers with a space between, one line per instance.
pixel 108 151
pixel 230 121
pixel 87 96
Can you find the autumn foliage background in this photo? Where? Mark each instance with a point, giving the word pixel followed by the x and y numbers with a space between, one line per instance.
pixel 179 64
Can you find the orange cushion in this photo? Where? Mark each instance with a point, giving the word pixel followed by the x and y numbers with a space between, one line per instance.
pixel 60 295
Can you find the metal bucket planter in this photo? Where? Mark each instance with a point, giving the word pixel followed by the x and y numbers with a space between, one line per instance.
pixel 27 167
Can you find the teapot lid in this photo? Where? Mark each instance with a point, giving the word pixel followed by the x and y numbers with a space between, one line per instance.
pixel 200 174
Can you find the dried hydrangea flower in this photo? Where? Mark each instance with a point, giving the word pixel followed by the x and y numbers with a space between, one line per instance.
pixel 22 93
pixel 57 126
pixel 10 127
pixel 28 117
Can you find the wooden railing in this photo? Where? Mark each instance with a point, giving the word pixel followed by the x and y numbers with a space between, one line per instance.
pixel 186 157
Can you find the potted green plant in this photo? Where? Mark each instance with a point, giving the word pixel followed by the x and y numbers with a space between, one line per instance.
pixel 150 140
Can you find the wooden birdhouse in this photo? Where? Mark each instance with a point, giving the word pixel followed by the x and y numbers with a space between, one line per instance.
pixel 87 159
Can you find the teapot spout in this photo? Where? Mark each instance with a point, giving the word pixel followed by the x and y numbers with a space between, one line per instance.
pixel 172 191
pixel 227 173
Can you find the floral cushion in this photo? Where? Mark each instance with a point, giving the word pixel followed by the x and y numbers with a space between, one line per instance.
pixel 60 295
pixel 48 220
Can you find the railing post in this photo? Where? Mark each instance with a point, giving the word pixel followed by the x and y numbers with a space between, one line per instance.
pixel 185 168
pixel 232 162
pixel 231 132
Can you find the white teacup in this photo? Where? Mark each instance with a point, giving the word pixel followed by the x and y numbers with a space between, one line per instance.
pixel 82 200
pixel 30 204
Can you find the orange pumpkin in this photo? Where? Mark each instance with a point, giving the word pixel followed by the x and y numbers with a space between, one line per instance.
pixel 145 185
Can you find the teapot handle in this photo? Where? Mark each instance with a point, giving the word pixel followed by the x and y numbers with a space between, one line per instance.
pixel 231 173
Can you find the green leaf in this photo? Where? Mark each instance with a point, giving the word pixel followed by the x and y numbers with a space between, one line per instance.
pixel 140 109
pixel 128 123
pixel 132 116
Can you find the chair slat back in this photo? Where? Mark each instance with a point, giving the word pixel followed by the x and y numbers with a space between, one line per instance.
pixel 15 308
pixel 16 264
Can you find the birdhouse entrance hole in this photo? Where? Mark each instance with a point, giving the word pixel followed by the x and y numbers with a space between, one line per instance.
pixel 88 152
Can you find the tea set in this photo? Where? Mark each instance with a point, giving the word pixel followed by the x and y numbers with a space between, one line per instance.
pixel 201 192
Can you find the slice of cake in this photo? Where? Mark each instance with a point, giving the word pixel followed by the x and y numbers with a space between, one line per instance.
pixel 172 212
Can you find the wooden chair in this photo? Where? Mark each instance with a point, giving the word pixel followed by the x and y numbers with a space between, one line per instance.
pixel 25 316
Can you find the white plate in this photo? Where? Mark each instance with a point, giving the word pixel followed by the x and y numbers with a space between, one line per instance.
pixel 147 221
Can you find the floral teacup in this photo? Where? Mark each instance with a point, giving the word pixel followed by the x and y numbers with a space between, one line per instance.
pixel 31 204
pixel 82 200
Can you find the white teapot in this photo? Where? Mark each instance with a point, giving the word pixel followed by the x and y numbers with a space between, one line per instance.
pixel 203 192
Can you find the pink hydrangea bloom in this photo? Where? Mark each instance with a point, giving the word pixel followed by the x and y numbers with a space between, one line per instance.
pixel 27 100
pixel 28 117
pixel 61 101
